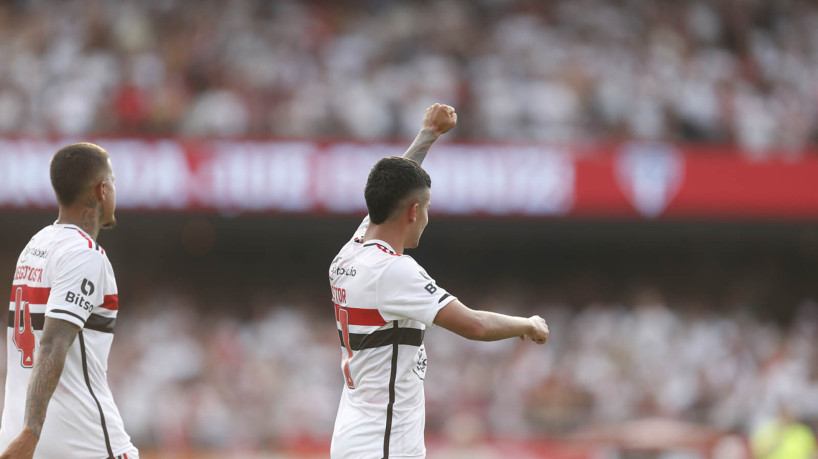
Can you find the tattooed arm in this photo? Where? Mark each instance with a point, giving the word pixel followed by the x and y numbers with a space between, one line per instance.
pixel 437 120
pixel 57 337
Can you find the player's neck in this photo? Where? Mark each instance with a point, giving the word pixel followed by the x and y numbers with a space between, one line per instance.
pixel 81 217
pixel 389 233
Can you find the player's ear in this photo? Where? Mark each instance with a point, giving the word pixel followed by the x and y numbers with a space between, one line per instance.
pixel 413 212
pixel 101 190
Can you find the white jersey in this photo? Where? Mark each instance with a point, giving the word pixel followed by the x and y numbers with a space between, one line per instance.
pixel 383 303
pixel 64 274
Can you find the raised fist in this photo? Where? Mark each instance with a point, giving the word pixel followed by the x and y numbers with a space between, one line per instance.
pixel 539 330
pixel 439 119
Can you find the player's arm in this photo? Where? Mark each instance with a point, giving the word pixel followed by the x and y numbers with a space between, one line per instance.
pixel 57 337
pixel 490 326
pixel 437 120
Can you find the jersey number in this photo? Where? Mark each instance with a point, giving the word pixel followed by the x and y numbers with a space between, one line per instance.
pixel 23 337
pixel 343 318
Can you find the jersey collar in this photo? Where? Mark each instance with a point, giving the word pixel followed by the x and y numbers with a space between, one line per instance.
pixel 383 245
pixel 70 226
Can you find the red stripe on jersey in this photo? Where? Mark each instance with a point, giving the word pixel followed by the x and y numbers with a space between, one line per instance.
pixel 33 295
pixel 110 302
pixel 358 316
pixel 90 244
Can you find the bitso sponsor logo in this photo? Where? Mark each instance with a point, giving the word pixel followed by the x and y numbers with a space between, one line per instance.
pixel 87 287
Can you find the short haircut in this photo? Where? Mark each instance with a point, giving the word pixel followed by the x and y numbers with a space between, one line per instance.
pixel 74 168
pixel 390 181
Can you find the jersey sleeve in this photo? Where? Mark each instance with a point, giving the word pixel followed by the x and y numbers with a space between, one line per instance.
pixel 77 286
pixel 405 291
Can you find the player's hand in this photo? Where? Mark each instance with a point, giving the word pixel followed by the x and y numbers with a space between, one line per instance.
pixel 538 332
pixel 21 447
pixel 439 119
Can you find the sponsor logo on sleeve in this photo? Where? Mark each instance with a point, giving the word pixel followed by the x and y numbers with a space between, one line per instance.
pixel 87 288
pixel 430 287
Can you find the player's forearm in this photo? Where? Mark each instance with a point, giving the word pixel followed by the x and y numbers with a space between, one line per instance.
pixel 420 147
pixel 48 368
pixel 494 326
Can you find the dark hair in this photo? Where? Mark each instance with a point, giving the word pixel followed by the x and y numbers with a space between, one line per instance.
pixel 390 181
pixel 75 167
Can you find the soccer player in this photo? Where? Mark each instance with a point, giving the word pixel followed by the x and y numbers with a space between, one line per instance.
pixel 61 324
pixel 384 300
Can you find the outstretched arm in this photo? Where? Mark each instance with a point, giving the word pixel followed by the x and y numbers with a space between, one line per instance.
pixel 490 326
pixel 57 337
pixel 437 120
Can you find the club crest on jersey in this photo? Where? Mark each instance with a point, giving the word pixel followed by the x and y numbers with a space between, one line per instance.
pixel 23 337
pixel 420 363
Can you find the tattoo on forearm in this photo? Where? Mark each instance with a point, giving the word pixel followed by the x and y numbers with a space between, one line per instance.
pixel 56 340
pixel 420 147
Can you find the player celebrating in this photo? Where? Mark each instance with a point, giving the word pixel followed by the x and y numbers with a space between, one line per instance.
pixel 384 300
pixel 61 322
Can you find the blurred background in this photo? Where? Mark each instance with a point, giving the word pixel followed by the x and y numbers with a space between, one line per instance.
pixel 641 173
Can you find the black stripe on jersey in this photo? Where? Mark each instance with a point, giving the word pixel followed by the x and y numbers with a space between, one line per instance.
pixel 63 311
pixel 95 322
pixel 101 324
pixel 88 383
pixel 381 338
pixel 443 298
pixel 392 377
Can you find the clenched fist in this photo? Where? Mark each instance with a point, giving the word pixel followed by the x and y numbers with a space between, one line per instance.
pixel 439 119
pixel 538 331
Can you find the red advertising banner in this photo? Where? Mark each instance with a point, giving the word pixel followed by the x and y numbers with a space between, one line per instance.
pixel 631 180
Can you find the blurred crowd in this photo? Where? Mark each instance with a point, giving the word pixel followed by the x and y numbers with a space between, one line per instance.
pixel 182 381
pixel 737 71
